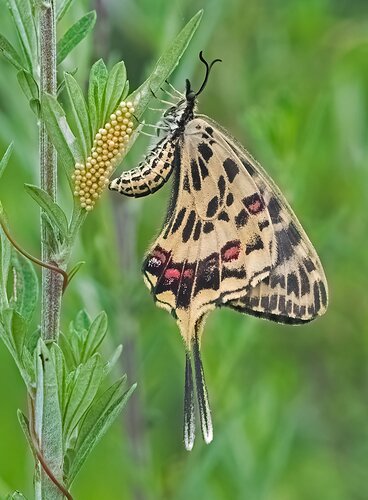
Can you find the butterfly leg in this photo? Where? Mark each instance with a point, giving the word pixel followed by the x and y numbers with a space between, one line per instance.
pixel 202 395
pixel 189 416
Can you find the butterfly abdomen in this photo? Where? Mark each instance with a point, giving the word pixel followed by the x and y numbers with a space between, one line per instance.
pixel 143 180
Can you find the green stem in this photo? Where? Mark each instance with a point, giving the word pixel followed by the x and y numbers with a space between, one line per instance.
pixel 52 283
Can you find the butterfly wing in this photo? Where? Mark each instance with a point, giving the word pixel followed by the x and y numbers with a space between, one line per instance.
pixel 296 289
pixel 218 239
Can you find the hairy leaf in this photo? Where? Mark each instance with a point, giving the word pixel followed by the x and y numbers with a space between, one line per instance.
pixel 75 35
pixel 80 113
pixel 25 286
pixel 97 82
pixel 9 52
pixel 53 210
pixel 26 28
pixel 95 336
pixel 98 419
pixel 114 89
pixel 59 131
pixel 5 159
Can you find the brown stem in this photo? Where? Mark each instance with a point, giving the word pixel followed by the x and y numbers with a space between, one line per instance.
pixel 30 257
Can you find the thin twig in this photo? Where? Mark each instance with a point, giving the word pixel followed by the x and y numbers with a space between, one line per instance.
pixel 34 259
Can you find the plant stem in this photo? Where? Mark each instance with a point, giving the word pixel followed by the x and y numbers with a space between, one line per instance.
pixel 51 282
pixel 48 443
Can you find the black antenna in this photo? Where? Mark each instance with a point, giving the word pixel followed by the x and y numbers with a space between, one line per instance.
pixel 208 69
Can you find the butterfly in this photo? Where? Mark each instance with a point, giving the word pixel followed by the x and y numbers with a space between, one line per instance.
pixel 229 239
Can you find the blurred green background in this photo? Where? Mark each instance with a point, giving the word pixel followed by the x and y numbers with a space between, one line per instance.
pixel 290 404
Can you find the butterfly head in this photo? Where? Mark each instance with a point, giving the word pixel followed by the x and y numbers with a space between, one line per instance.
pixel 176 117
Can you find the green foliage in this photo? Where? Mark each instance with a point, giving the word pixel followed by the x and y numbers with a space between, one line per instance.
pixel 72 402
pixel 75 35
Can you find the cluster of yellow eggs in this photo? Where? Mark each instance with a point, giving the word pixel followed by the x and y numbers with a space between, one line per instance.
pixel 109 145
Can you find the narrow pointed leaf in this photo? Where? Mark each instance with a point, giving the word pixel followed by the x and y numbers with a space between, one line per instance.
pixel 53 210
pixel 25 24
pixel 28 85
pixel 5 159
pixel 83 391
pixel 48 422
pixel 9 52
pixel 59 131
pixel 75 35
pixel 165 65
pixel 96 89
pixel 98 419
pixel 17 495
pixel 95 336
pixel 80 113
pixel 25 286
pixel 62 8
pixel 75 269
pixel 114 89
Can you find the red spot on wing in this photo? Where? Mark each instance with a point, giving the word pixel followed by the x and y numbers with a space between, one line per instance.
pixel 188 273
pixel 172 274
pixel 230 251
pixel 253 203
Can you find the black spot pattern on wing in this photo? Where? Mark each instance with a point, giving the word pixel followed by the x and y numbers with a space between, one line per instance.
pixel 212 206
pixel 203 168
pixel 253 203
pixel 178 220
pixel 221 184
pixel 229 199
pixel 277 279
pixel 208 275
pixel 284 247
pixel 262 225
pixel 231 169
pixel 292 284
pixel 304 281
pixel 186 186
pixel 205 151
pixel 293 233
pixel 274 209
pixel 248 167
pixel 309 265
pixel 223 216
pixel 208 227
pixel 196 180
pixel 188 228
pixel 186 285
pixel 241 218
pixel 323 292
pixel 256 244
pixel 197 231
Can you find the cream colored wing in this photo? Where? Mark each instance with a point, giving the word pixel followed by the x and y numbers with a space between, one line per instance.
pixel 218 240
pixel 296 289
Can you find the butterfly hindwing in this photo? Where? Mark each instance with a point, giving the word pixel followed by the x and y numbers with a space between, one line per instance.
pixel 296 289
pixel 218 240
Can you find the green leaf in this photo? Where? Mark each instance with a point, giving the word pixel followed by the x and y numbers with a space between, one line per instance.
pixel 58 129
pixel 53 210
pixel 60 370
pixel 95 336
pixel 24 423
pixel 164 66
pixel 9 52
pixel 5 257
pixel 25 24
pixel 48 422
pixel 114 90
pixel 75 35
pixel 29 86
pixel 113 360
pixel 16 326
pixel 17 495
pixel 80 113
pixel 81 393
pixel 75 269
pixel 25 286
pixel 62 8
pixel 96 89
pixel 82 321
pixel 5 159
pixel 98 419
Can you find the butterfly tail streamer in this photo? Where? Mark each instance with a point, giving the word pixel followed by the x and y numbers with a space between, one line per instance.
pixel 189 416
pixel 202 395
